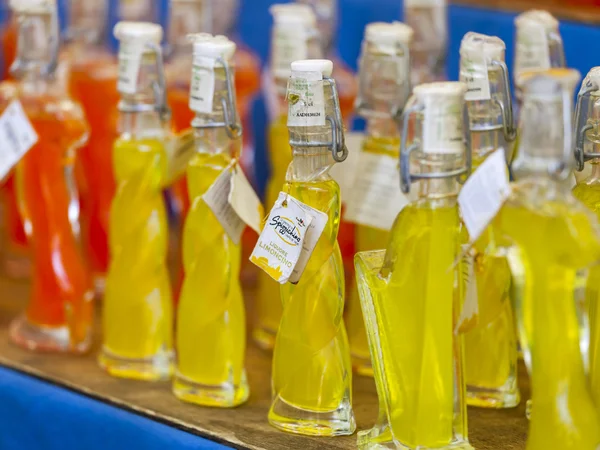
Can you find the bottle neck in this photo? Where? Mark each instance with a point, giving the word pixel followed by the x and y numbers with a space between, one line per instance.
pixel 382 127
pixel 137 10
pixel 438 188
pixel 187 17
pixel 87 21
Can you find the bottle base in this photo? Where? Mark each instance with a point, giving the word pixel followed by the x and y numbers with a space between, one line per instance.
pixel 380 438
pixel 264 337
pixel 492 398
pixel 45 339
pixel 155 368
pixel 339 422
pixel 225 395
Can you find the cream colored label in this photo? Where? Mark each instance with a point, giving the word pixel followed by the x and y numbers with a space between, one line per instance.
pixel 130 60
pixel 288 239
pixel 17 137
pixel 474 72
pixel 290 43
pixel 202 86
pixel 306 100
pixel 533 50
pixel 442 127
pixel 470 307
pixel 180 149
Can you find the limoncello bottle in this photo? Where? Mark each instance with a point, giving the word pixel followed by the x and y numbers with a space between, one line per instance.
pixel 411 294
pixel 384 88
pixel 491 343
pixel 137 318
pixel 312 374
pixel 211 323
pixel 552 241
pixel 293 37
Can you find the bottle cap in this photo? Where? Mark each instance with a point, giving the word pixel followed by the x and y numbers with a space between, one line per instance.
pixel 207 45
pixel 476 46
pixel 143 32
pixel 293 14
pixel 33 6
pixel 324 66
pixel 387 37
pixel 592 78
pixel 536 18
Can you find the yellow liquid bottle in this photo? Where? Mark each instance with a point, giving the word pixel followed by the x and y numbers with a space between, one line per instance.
pixel 491 342
pixel 384 88
pixel 137 315
pixel 587 140
pixel 287 45
pixel 211 321
pixel 410 294
pixel 312 375
pixel 552 240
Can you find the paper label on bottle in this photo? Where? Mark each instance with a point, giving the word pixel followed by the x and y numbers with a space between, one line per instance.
pixel 484 193
pixel 288 239
pixel 533 50
pixel 224 197
pixel 180 149
pixel 306 100
pixel 17 136
pixel 130 60
pixel 474 72
pixel 376 198
pixel 443 126
pixel 290 43
pixel 202 86
pixel 470 306
pixel 345 174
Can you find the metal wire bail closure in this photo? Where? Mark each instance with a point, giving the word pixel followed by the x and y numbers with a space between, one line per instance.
pixel 406 178
pixel 231 122
pixel 581 127
pixel 508 120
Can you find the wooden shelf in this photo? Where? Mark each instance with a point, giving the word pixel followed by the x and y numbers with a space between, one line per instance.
pixel 245 427
pixel 562 9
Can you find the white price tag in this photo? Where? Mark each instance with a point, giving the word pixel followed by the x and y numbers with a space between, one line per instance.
pixel 306 99
pixel 224 197
pixel 17 136
pixel 443 126
pixel 288 239
pixel 130 60
pixel 289 44
pixel 475 74
pixel 345 174
pixel 376 198
pixel 202 86
pixel 484 193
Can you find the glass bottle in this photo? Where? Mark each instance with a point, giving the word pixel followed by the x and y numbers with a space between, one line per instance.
pixel 137 284
pixel 93 81
pixel 429 20
pixel 587 153
pixel 410 298
pixel 491 343
pixel 384 88
pixel 294 37
pixel 211 327
pixel 552 241
pixel 60 311
pixel 312 374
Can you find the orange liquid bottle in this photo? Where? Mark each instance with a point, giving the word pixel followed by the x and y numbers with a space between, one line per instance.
pixel 59 314
pixel 93 82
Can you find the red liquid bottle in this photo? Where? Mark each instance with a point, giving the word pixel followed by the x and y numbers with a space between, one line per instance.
pixel 60 310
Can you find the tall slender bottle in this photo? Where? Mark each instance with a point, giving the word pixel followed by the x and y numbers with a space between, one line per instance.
pixel 587 153
pixel 294 37
pixel 312 374
pixel 384 88
pixel 553 239
pixel 211 324
pixel 491 344
pixel 429 20
pixel 137 314
pixel 410 298
pixel 93 80
pixel 60 310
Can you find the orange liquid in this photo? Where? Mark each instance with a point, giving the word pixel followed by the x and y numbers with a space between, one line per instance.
pixel 60 294
pixel 94 83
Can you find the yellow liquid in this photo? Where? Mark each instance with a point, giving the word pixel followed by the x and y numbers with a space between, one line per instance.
pixel 311 361
pixel 367 238
pixel 589 194
pixel 269 307
pixel 555 240
pixel 491 345
pixel 137 313
pixel 420 353
pixel 211 324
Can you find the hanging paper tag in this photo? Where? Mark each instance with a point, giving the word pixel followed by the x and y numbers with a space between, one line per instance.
pixel 470 307
pixel 533 50
pixel 17 136
pixel 484 193
pixel 130 60
pixel 180 149
pixel 202 87
pixel 288 239
pixel 224 197
pixel 443 126
pixel 306 100
pixel 376 198
pixel 290 43
pixel 345 174
pixel 474 73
